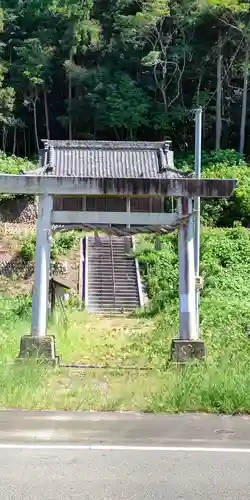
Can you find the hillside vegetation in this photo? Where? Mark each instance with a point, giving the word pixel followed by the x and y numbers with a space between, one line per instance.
pixel 123 70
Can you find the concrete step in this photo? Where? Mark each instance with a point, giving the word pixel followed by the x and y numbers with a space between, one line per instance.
pixel 105 307
pixel 102 273
pixel 109 290
pixel 99 285
pixel 108 257
pixel 123 276
pixel 108 265
pixel 110 296
pixel 111 303
pixel 107 310
pixel 127 291
pixel 129 286
pixel 109 287
pixel 105 273
pixel 116 249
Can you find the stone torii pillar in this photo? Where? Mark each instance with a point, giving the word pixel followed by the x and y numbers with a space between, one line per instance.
pixel 42 268
pixel 39 344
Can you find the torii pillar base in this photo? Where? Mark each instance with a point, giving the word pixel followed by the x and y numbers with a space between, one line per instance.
pixel 184 351
pixel 42 349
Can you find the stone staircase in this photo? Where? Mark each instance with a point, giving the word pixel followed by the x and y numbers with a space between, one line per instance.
pixel 111 281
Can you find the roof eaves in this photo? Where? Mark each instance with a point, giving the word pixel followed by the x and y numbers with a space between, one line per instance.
pixel 129 145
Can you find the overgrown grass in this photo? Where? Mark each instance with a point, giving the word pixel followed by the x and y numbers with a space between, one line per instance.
pixel 219 384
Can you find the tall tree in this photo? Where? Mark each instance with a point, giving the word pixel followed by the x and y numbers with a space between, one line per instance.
pixel 7 94
pixel 33 71
pixel 229 13
pixel 106 69
pixel 81 31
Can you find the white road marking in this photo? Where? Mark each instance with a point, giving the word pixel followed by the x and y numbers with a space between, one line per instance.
pixel 97 447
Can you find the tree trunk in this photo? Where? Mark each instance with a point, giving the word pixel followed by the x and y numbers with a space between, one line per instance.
pixel 4 138
pixel 244 103
pixel 204 128
pixel 219 93
pixel 70 107
pixel 24 141
pixel 70 95
pixel 35 124
pixel 14 141
pixel 46 112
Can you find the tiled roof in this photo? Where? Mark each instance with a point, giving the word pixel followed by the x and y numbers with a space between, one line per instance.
pixel 108 159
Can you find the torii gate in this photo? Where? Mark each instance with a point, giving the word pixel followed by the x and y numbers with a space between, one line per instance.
pixel 188 345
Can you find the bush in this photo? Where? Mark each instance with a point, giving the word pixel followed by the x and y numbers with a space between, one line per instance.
pixel 160 270
pixel 227 164
pixel 28 248
pixel 13 165
pixel 225 264
pixel 61 245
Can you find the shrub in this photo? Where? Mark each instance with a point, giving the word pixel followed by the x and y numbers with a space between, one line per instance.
pixel 10 164
pixel 61 245
pixel 227 164
pixel 160 270
pixel 28 248
pixel 225 264
pixel 64 242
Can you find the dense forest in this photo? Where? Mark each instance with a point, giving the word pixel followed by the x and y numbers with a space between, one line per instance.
pixel 124 69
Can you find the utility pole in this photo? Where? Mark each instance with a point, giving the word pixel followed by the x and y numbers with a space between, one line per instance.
pixel 187 311
pixel 188 346
pixel 197 203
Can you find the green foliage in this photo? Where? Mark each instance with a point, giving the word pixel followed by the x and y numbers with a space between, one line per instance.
pixel 115 102
pixel 235 6
pixel 28 248
pixel 210 159
pixel 221 164
pixel 220 383
pixel 160 270
pixel 225 263
pixel 122 105
pixel 158 58
pixel 12 309
pixel 10 164
pixel 236 208
pixel 7 93
pixel 34 59
pixel 62 243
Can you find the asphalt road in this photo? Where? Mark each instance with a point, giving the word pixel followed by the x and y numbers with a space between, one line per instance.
pixel 57 456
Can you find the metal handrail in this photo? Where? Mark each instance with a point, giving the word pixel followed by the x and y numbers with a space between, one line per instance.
pixel 85 265
pixel 113 271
